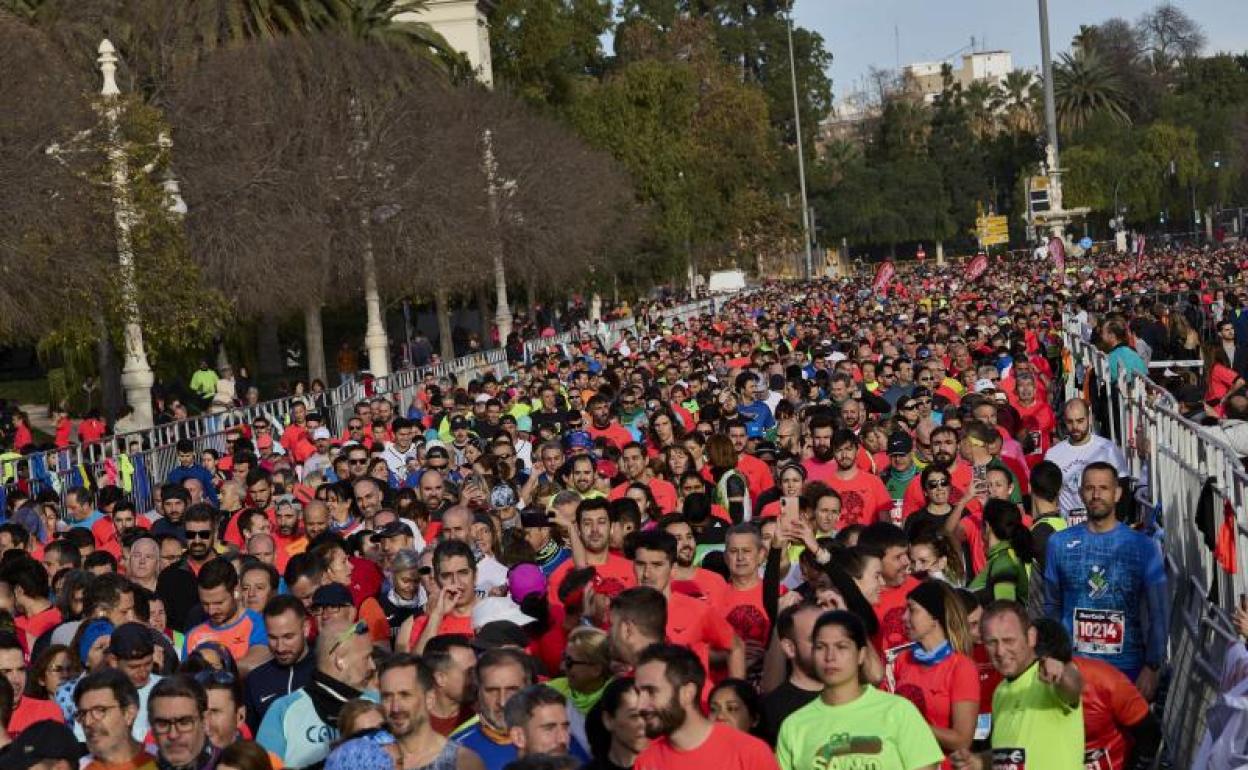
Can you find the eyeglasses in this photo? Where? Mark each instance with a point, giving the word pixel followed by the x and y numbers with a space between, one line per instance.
pixel 165 726
pixel 94 713
pixel 199 534
pixel 359 629
pixel 356 426
pixel 937 484
pixel 357 461
pixel 908 407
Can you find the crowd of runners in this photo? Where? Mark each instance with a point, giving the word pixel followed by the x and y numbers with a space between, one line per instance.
pixel 841 524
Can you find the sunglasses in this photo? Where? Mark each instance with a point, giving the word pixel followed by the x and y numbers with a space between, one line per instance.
pixel 907 407
pixel 199 534
pixel 937 484
pixel 213 676
pixel 359 629
pixel 424 570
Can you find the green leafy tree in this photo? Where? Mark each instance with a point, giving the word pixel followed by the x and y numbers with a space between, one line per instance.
pixel 542 49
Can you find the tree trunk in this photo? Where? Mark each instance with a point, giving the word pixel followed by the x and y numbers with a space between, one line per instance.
pixel 270 350
pixel 530 291
pixel 442 303
pixel 223 355
pixel 482 298
pixel 111 397
pixel 315 341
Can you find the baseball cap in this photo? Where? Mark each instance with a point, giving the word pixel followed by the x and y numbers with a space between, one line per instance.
pixel 459 422
pixel 525 579
pixel 534 517
pixel 437 451
pixel 130 641
pixel 320 433
pixel 900 444
pixel 391 529
pixel 776 382
pixel 495 608
pixel 984 385
pixel 499 633
pixel 332 595
pixel 502 496
pixel 766 448
pixel 42 740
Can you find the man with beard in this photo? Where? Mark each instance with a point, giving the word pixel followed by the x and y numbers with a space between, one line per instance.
pixel 864 498
pixel 501 674
pixel 793 629
pixel 431 490
pixel 369 499
pixel 944 446
pixel 108 705
pixel 1103 580
pixel 756 472
pixel 301 727
pixel 820 466
pixel 593 526
pixel 452 664
pixel 669 686
pixel 634 466
pixel 237 628
pixel 405 683
pixel 288 627
pixel 602 426
pixel 709 584
pixel 690 621
pixel 742 606
pixel 578 475
pixel 1080 449
pixel 538 723
pixel 201 537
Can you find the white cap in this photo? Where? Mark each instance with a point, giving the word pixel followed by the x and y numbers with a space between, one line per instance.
pixel 983 385
pixel 320 433
pixel 494 608
pixel 837 356
pixel 482 398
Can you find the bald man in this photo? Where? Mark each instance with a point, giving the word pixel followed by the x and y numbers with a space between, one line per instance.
pixel 1081 448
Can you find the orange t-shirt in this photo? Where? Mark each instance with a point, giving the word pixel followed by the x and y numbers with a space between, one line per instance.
pixel 725 748
pixel 375 617
pixel 30 710
pixel 663 491
pixel 140 761
pixel 691 622
pixel 1110 703
pixel 451 624
pixel 744 612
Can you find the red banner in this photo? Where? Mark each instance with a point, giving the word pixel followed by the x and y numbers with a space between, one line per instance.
pixel 883 274
pixel 1139 250
pixel 1057 252
pixel 976 267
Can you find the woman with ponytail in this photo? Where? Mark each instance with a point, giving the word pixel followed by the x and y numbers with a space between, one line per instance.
pixel 937 673
pixel 1010 553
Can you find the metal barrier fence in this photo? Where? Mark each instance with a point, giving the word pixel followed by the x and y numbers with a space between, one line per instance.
pixel 1174 461
pixel 138 461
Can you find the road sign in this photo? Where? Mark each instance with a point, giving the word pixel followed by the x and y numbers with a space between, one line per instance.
pixel 992 230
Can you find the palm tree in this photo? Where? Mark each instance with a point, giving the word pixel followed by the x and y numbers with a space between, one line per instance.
pixel 979 98
pixel 1014 101
pixel 389 22
pixel 1085 85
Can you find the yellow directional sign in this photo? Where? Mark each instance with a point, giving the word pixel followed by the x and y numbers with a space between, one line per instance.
pixel 992 230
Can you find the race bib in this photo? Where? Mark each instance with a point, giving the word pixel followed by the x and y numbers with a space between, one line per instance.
pixel 1099 632
pixel 1009 759
pixel 1077 516
pixel 1037 442
pixel 1097 759
pixel 895 513
pixel 983 727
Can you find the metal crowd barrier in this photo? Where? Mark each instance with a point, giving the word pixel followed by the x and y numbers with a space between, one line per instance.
pixel 1173 458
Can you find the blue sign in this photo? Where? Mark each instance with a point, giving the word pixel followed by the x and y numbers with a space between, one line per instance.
pixel 1085 243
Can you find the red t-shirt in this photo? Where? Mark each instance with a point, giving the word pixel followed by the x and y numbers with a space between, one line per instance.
pixel 451 624
pixel 30 710
pixel 757 474
pixel 1038 419
pixel 743 609
pixel 616 568
pixel 864 498
pixel 818 471
pixel 934 689
pixel 725 748
pixel 989 677
pixel 1110 703
pixel 37 625
pixel 915 500
pixel 614 432
pixel 891 613
pixel 691 622
pixel 663 491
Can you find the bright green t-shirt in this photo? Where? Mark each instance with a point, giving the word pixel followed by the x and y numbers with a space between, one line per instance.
pixel 878 731
pixel 1030 716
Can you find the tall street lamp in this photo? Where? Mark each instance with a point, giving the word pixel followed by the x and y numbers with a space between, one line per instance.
pixel 494 189
pixel 136 372
pixel 801 160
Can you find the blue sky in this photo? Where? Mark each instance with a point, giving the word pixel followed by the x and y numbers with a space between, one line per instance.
pixel 860 33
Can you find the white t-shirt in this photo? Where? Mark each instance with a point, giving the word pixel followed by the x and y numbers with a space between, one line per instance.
pixel 1073 459
pixel 396 460
pixel 490 574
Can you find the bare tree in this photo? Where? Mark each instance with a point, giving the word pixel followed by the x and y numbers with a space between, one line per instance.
pixel 286 147
pixel 1168 35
